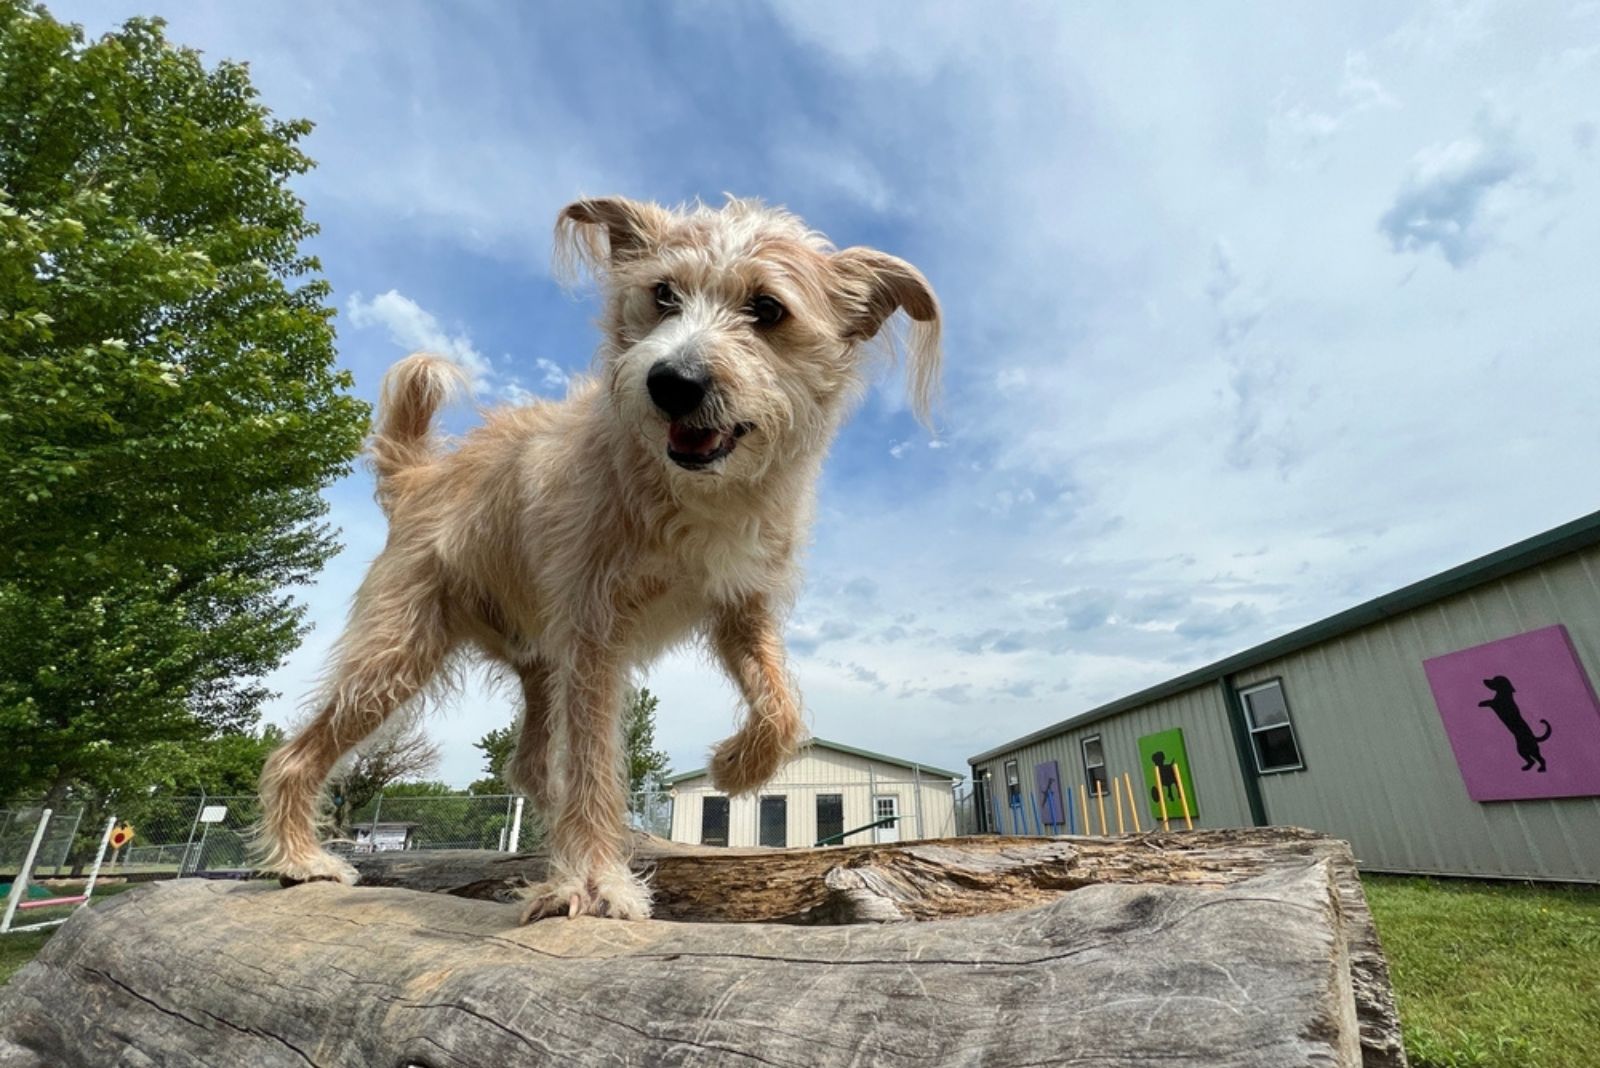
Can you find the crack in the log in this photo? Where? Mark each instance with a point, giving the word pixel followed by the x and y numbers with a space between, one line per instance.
pixel 191 1021
pixel 262 1034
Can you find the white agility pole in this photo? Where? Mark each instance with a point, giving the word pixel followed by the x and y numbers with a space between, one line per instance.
pixel 79 900
pixel 20 887
pixel 515 843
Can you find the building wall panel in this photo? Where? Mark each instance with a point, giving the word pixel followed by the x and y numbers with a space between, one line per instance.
pixel 1206 735
pixel 1379 767
pixel 1379 770
pixel 817 770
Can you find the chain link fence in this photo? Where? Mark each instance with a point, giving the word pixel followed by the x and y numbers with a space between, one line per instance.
pixel 486 821
pixel 19 822
pixel 169 836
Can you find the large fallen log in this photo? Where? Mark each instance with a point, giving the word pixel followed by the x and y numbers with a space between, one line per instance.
pixel 1226 948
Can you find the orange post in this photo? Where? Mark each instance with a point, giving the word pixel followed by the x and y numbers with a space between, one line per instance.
pixel 1183 798
pixel 1100 799
pixel 1083 801
pixel 1161 799
pixel 1133 807
pixel 1116 788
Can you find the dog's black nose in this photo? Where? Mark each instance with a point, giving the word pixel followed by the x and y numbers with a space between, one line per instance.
pixel 675 391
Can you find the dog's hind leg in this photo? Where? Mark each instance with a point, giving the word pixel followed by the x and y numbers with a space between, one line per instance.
pixel 749 642
pixel 528 767
pixel 394 645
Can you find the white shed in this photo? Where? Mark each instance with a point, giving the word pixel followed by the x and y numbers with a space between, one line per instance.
pixel 826 793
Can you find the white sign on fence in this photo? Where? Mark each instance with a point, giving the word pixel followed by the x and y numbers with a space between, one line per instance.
pixel 213 813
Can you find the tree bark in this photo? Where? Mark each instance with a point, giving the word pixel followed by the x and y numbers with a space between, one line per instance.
pixel 1214 948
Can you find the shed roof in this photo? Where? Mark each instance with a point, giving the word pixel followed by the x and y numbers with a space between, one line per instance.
pixel 1568 538
pixel 838 748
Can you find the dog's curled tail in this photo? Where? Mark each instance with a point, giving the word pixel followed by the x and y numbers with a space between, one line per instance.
pixel 1546 734
pixel 413 391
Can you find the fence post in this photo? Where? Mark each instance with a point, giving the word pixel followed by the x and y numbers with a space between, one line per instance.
pixel 515 844
pixel 372 836
pixel 916 777
pixel 183 861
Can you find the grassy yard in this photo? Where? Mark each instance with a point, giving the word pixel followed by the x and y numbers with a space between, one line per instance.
pixel 1492 976
pixel 18 949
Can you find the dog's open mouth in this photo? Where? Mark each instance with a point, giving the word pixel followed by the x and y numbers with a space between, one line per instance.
pixel 695 447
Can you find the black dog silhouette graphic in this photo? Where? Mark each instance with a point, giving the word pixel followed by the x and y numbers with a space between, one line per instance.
pixel 1166 777
pixel 1505 706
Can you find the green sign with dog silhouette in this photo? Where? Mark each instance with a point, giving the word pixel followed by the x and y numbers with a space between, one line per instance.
pixel 1167 775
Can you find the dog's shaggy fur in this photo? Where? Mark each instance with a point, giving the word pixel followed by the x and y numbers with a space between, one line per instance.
pixel 666 498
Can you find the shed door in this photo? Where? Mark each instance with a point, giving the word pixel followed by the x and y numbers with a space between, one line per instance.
pixel 886 806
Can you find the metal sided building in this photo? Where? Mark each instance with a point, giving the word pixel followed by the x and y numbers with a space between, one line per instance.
pixel 1450 727
pixel 825 790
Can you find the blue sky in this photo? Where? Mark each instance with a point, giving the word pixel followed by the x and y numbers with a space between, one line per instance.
pixel 1253 311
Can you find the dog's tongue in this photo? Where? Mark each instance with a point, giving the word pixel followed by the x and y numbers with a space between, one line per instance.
pixel 694 440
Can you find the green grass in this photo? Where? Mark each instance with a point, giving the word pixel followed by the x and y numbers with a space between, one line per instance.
pixel 18 949
pixel 1490 975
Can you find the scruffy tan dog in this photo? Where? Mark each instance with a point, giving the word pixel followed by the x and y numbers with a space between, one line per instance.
pixel 666 498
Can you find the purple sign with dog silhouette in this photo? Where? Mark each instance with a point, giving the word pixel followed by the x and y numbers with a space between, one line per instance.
pixel 1521 715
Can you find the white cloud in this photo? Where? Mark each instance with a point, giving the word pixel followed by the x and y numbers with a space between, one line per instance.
pixel 411 328
pixel 1445 199
pixel 416 330
pixel 1305 131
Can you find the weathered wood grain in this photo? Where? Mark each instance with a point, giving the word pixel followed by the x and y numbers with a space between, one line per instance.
pixel 1180 950
pixel 943 878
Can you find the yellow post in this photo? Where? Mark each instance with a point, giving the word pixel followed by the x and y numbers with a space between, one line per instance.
pixel 1133 806
pixel 1100 799
pixel 1161 799
pixel 1083 800
pixel 1183 798
pixel 1116 788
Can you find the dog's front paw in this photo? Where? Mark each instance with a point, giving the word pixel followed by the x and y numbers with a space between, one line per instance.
pixel 742 763
pixel 613 892
pixel 314 868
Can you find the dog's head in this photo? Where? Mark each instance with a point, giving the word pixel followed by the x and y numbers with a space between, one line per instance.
pixel 1500 685
pixel 734 336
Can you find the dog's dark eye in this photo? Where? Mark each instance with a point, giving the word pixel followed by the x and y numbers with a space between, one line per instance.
pixel 666 297
pixel 767 311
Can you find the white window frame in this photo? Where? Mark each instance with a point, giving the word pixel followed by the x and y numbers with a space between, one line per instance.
pixel 1013 775
pixel 1088 768
pixel 1253 730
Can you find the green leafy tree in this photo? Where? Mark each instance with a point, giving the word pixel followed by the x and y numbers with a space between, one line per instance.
pixel 496 747
pixel 169 405
pixel 388 760
pixel 647 765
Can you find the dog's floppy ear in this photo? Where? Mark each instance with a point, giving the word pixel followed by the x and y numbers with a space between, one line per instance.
pixel 596 234
pixel 873 286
